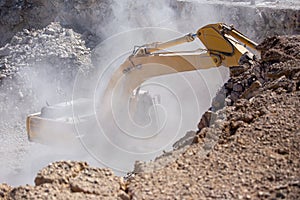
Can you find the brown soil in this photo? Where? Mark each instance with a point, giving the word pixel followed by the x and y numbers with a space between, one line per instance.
pixel 247 145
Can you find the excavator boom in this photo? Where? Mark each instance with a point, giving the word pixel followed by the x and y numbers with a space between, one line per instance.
pixel 224 46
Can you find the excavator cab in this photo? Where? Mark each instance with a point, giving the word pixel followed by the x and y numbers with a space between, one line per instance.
pixel 141 103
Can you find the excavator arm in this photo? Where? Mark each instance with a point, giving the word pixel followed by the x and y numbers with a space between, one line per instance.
pixel 224 46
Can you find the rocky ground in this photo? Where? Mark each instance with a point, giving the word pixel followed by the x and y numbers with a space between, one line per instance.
pixel 70 180
pixel 247 145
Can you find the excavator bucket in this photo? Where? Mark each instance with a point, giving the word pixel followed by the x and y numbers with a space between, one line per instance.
pixel 57 123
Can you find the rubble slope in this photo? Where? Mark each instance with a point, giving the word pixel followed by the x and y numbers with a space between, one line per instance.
pixel 248 149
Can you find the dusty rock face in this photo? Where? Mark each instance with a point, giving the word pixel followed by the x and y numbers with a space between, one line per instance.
pixel 86 16
pixel 18 14
pixel 256 21
pixel 80 15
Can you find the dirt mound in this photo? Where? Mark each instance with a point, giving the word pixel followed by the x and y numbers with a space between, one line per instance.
pixel 70 180
pixel 247 145
pixel 53 44
pixel 280 49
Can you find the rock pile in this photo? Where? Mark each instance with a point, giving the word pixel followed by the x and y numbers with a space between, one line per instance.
pixel 277 68
pixel 52 55
pixel 248 149
pixel 53 44
pixel 70 180
pixel 36 68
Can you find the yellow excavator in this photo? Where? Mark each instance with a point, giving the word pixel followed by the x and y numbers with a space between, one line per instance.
pixel 225 46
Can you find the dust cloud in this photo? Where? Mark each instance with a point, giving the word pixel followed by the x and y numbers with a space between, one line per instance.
pixel 182 97
pixel 103 139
